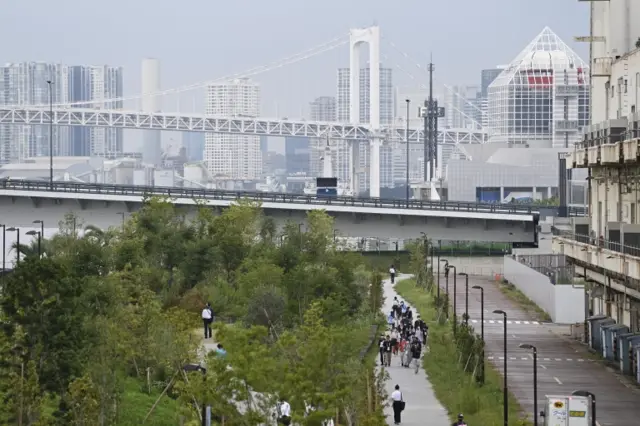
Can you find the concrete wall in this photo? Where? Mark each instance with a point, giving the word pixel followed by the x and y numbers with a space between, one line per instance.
pixel 564 303
pixel 486 266
pixel 19 211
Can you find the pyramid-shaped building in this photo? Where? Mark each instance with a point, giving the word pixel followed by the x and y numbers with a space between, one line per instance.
pixel 542 96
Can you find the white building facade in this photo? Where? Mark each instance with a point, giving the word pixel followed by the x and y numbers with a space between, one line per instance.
pixel 542 95
pixel 321 109
pixel 606 244
pixel 233 156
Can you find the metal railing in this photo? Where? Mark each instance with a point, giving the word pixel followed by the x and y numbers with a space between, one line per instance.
pixel 598 242
pixel 270 197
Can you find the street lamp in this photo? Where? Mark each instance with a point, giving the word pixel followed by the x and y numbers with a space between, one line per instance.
pixel 466 297
pixel 41 222
pixel 17 231
pixel 535 379
pixel 334 235
pixel 438 278
pixel 593 404
pixel 505 390
pixel 50 83
pixel 455 305
pixel 408 101
pixel 39 234
pixel 4 248
pixel 122 216
pixel 446 283
pixel 477 287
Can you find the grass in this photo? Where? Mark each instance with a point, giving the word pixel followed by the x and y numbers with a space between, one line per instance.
pixel 523 301
pixel 456 390
pixel 135 404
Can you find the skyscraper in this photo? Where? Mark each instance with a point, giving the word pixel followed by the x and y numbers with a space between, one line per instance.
pixel 233 156
pixel 321 109
pixel 26 84
pixel 151 139
pixel 342 158
pixel 106 83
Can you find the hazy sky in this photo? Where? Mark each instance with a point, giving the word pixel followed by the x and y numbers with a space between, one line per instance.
pixel 198 40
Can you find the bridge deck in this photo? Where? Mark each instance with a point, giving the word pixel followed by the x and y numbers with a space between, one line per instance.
pixel 411 208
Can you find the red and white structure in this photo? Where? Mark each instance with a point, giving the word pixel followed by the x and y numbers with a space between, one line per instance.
pixel 541 96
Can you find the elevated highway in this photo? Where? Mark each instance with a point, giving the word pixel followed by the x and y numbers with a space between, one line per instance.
pixel 22 202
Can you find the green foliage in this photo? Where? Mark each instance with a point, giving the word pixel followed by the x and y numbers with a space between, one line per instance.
pixel 96 332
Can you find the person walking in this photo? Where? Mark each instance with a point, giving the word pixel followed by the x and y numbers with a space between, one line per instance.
pixel 460 421
pixel 207 319
pixel 416 350
pixel 392 274
pixel 397 405
pixel 284 412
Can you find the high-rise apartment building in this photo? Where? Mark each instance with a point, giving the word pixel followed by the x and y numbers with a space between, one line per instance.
pixel 193 143
pixel 462 107
pixel 233 156
pixel 486 78
pixel 26 83
pixel 342 166
pixel 100 85
pixel 321 109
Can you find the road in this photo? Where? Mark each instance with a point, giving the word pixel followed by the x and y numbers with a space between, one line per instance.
pixel 563 366
pixel 416 389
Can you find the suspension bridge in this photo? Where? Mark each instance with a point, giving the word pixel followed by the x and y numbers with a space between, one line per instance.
pixel 101 113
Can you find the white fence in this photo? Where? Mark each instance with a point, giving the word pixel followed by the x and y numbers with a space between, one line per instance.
pixel 563 302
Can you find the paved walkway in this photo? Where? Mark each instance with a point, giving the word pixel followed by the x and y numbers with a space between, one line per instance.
pixel 563 365
pixel 422 406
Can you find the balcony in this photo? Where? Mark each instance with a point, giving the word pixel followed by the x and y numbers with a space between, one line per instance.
pixel 630 150
pixel 610 153
pixel 612 256
pixel 601 67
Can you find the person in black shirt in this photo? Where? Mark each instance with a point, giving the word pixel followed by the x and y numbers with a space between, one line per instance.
pixel 386 347
pixel 460 421
pixel 381 349
pixel 416 350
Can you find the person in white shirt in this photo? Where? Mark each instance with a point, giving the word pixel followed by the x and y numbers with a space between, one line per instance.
pixel 397 405
pixel 207 319
pixel 392 274
pixel 285 413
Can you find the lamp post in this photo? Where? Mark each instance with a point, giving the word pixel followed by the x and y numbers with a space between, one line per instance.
pixel 477 287
pixel 17 231
pixel 593 404
pixel 455 305
pixel 39 234
pixel 122 216
pixel 535 379
pixel 335 233
pixel 4 248
pixel 446 283
pixel 466 297
pixel 41 222
pixel 408 101
pixel 505 390
pixel 438 259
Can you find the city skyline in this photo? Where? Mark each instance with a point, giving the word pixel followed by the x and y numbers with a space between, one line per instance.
pixel 457 58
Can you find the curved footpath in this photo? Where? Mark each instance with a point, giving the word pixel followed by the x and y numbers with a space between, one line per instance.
pixel 422 405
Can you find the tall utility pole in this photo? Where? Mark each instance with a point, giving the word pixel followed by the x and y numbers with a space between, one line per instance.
pixel 432 136
pixel 407 139
pixel 427 138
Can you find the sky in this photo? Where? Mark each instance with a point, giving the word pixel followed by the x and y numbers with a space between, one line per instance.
pixel 199 40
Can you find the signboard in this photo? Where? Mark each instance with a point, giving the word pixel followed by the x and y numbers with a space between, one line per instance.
pixel 567 411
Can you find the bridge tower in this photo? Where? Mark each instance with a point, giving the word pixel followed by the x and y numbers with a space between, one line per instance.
pixel 358 37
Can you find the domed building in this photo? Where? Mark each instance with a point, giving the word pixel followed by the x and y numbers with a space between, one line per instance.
pixel 542 96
